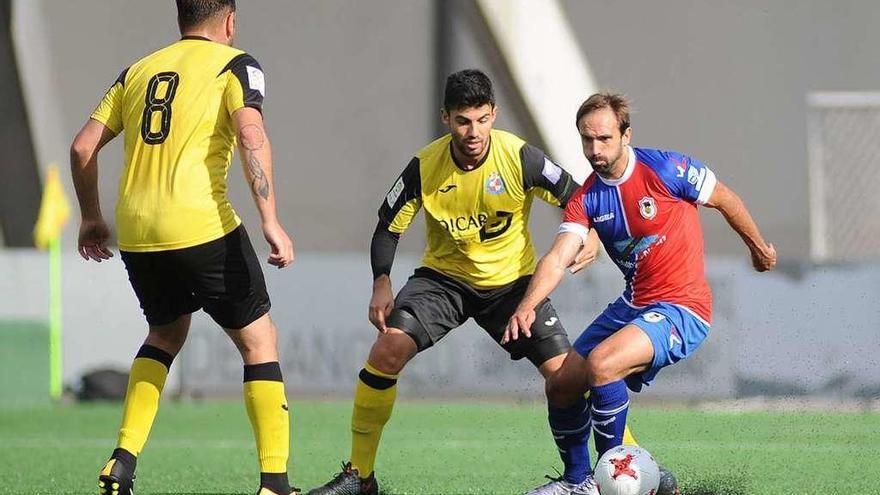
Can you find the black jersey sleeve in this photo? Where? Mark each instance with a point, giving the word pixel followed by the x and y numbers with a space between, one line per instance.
pixel 404 200
pixel 544 178
pixel 383 247
pixel 248 86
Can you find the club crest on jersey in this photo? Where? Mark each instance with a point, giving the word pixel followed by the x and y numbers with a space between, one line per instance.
pixel 495 184
pixel 647 208
pixel 653 317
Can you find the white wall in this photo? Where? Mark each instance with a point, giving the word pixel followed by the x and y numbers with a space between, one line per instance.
pixel 790 331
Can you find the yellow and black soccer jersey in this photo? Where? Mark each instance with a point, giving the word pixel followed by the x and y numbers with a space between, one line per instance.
pixel 175 106
pixel 477 220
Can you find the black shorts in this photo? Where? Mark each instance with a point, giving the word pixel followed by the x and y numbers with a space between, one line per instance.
pixel 222 276
pixel 431 304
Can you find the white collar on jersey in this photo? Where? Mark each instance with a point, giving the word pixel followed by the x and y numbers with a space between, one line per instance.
pixel 630 166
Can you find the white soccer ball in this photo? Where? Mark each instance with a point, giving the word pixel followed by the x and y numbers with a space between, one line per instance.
pixel 627 470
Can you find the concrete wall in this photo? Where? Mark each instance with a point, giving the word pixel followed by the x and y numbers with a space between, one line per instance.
pixel 350 96
pixel 354 88
pixel 814 334
pixel 727 82
pixel 353 91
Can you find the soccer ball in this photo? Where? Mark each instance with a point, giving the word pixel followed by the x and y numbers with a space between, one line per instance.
pixel 627 470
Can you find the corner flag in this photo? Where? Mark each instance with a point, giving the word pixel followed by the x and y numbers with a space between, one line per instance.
pixel 54 213
pixel 54 210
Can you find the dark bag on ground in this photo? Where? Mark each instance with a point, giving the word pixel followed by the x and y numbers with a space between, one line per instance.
pixel 103 384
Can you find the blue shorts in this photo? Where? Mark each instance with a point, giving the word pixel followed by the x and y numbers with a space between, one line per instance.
pixel 674 331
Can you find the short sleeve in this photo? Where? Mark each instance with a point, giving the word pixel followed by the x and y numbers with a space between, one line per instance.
pixel 575 218
pixel 403 200
pixel 109 110
pixel 246 84
pixel 687 178
pixel 544 178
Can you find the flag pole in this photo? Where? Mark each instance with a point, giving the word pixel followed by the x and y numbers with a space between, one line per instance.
pixel 54 212
pixel 55 318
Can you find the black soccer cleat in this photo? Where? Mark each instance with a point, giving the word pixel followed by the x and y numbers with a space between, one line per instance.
pixel 116 479
pixel 668 483
pixel 348 482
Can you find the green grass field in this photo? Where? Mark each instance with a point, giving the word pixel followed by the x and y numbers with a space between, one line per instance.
pixel 437 448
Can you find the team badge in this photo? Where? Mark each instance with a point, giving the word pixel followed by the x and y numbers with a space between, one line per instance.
pixel 494 184
pixel 653 317
pixel 647 208
pixel 394 193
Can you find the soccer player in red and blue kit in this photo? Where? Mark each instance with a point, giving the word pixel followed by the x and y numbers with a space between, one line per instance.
pixel 643 205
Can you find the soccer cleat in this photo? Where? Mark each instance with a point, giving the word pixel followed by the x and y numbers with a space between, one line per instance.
pixel 558 486
pixel 116 479
pixel 348 482
pixel 668 483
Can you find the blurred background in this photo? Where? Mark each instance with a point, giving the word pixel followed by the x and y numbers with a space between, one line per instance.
pixel 778 98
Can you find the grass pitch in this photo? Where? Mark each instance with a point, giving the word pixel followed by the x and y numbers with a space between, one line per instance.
pixel 437 448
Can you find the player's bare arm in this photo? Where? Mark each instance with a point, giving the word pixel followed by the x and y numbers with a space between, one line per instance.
pixel 737 215
pixel 381 302
pixel 94 233
pixel 256 159
pixel 548 274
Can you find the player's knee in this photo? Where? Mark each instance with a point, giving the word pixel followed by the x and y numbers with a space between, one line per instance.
pixel 390 353
pixel 601 369
pixel 559 393
pixel 170 341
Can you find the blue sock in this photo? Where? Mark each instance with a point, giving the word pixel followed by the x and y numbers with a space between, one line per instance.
pixel 610 404
pixel 571 431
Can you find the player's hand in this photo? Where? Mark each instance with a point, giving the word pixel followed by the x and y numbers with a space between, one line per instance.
pixel 764 259
pixel 381 303
pixel 588 254
pixel 94 234
pixel 520 323
pixel 280 243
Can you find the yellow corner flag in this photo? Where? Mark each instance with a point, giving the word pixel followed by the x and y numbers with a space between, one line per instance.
pixel 54 210
pixel 54 213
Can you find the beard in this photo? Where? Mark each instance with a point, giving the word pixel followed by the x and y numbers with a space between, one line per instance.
pixel 465 150
pixel 604 166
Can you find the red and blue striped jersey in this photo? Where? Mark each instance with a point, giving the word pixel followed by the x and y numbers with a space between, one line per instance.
pixel 648 222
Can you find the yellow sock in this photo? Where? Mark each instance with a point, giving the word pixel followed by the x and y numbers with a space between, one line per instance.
pixel 628 438
pixel 268 411
pixel 373 401
pixel 145 383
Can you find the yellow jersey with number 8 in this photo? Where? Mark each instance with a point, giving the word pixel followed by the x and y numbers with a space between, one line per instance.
pixel 175 107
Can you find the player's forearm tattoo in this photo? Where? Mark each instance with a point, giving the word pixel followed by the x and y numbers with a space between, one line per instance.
pixel 259 181
pixel 251 137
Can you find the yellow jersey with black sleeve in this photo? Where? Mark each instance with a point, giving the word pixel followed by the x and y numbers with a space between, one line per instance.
pixel 175 107
pixel 477 220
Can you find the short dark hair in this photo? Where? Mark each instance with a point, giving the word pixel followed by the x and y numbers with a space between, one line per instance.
pixel 617 102
pixel 191 13
pixel 468 88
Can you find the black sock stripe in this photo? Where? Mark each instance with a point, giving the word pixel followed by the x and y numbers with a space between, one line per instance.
pixel 156 354
pixel 276 482
pixel 376 381
pixel 125 457
pixel 270 371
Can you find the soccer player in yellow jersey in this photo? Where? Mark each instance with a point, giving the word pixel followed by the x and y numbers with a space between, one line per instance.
pixel 476 186
pixel 181 110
